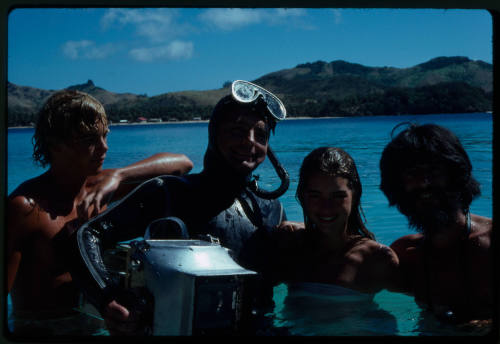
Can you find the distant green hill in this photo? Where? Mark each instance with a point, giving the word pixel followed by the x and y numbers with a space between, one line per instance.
pixel 337 88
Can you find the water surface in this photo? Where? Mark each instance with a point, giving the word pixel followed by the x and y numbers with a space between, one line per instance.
pixel 362 137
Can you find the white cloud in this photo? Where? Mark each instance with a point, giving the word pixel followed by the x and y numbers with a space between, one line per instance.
pixel 230 18
pixel 160 28
pixel 86 49
pixel 157 25
pixel 173 51
pixel 234 18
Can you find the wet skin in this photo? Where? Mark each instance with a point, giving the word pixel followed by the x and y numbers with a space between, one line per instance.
pixel 454 273
pixel 421 182
pixel 243 143
pixel 327 253
pixel 328 202
pixel 43 209
pixel 428 200
pixel 87 152
pixel 40 208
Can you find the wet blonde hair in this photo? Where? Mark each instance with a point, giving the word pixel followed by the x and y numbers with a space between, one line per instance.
pixel 66 115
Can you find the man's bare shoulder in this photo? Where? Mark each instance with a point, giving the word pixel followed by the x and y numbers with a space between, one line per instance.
pixel 483 225
pixel 23 202
pixel 407 241
pixel 20 205
pixel 481 233
pixel 407 247
pixel 22 218
pixel 23 213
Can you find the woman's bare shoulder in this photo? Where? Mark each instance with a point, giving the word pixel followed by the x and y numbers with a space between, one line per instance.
pixel 368 250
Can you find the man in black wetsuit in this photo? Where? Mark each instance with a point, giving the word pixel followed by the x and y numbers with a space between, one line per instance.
pixel 217 201
pixel 447 265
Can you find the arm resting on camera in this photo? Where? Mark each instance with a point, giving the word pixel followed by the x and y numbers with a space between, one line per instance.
pixel 126 220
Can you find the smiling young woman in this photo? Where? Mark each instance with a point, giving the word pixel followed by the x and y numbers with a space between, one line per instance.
pixel 334 246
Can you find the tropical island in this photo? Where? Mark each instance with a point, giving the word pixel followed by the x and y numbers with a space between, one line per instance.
pixel 319 89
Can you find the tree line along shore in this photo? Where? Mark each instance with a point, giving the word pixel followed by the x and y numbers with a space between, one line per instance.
pixel 320 89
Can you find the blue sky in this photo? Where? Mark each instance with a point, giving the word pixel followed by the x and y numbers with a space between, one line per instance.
pixel 155 51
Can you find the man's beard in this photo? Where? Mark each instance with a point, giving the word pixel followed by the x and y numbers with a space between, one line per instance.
pixel 428 219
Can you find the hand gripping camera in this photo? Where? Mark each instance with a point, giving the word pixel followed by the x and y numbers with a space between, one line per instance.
pixel 183 286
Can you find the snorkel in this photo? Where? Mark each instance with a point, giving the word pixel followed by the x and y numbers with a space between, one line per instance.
pixel 282 174
pixel 246 97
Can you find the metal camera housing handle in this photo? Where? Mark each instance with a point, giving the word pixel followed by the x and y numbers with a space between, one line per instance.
pixel 282 174
pixel 196 287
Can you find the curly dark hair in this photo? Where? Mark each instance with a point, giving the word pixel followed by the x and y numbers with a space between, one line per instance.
pixel 335 162
pixel 66 115
pixel 426 144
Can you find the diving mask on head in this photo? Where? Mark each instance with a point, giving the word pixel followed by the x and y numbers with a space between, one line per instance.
pixel 246 92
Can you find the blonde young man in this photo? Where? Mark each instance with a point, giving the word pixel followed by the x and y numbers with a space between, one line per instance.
pixel 70 137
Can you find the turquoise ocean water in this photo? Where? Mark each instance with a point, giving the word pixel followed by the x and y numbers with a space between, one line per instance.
pixel 362 137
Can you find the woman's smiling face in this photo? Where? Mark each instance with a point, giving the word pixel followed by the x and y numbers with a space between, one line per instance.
pixel 327 202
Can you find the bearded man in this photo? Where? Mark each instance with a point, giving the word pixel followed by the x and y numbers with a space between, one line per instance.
pixel 447 264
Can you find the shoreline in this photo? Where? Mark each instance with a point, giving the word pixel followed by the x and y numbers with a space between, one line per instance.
pixel 206 120
pixel 184 122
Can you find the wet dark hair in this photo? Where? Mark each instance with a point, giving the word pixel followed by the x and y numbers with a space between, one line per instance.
pixel 426 144
pixel 335 162
pixel 226 109
pixel 229 107
pixel 66 115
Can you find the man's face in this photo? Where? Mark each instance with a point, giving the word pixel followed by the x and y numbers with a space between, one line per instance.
pixel 427 200
pixel 86 153
pixel 243 142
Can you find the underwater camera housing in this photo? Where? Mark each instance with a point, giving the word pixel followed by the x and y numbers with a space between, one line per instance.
pixel 188 287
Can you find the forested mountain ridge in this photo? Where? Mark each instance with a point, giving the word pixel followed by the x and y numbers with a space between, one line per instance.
pixel 337 88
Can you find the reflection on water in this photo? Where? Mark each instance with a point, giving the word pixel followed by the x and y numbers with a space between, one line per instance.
pixel 429 325
pixel 310 312
pixel 332 311
pixel 38 326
